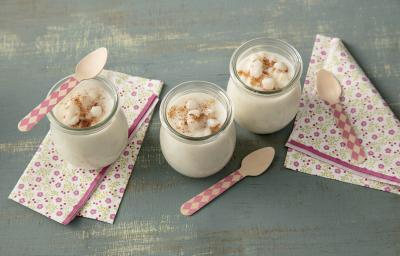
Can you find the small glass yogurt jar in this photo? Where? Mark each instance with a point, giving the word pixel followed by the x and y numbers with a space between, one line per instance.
pixel 94 146
pixel 205 153
pixel 265 111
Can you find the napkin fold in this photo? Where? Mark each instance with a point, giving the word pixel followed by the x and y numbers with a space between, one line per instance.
pixel 316 145
pixel 60 191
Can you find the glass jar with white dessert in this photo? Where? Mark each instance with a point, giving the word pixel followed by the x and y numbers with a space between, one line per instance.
pixel 264 84
pixel 197 133
pixel 88 127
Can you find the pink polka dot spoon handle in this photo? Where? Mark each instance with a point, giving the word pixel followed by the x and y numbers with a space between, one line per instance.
pixel 33 117
pixel 348 134
pixel 253 164
pixel 199 201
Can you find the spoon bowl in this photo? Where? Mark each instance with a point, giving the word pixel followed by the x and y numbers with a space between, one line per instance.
pixel 257 161
pixel 92 64
pixel 328 88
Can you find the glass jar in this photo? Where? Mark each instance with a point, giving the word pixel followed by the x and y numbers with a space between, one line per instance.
pixel 95 146
pixel 197 156
pixel 265 112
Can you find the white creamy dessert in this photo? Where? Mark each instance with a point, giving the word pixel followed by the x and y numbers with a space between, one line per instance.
pixel 197 134
pixel 85 106
pixel 88 127
pixel 264 84
pixel 265 71
pixel 196 115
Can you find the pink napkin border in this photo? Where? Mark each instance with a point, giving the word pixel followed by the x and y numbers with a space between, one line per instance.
pixel 308 150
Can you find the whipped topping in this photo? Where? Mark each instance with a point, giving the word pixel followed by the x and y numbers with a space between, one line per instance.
pixel 86 105
pixel 196 114
pixel 265 71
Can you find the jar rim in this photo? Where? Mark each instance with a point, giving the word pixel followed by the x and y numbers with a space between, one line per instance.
pixel 259 41
pixel 91 129
pixel 203 86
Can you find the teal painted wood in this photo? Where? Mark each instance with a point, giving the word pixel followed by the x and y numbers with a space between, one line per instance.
pixel 279 213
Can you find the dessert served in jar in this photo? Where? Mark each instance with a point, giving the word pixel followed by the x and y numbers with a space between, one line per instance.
pixel 264 84
pixel 88 127
pixel 197 134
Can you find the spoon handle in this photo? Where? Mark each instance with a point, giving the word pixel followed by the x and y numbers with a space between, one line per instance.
pixel 40 111
pixel 348 134
pixel 196 203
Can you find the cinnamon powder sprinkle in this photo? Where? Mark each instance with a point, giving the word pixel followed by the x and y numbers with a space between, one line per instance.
pixel 84 120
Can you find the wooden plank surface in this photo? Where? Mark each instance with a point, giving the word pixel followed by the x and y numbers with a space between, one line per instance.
pixel 280 213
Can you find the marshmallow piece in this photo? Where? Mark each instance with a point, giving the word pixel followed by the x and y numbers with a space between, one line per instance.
pixel 193 121
pixel 191 104
pixel 268 83
pixel 194 124
pixel 243 65
pixel 85 101
pixel 72 114
pixel 276 74
pixel 212 123
pixel 96 111
pixel 280 66
pixel 282 79
pixel 256 68
pixel 194 113
pixel 93 94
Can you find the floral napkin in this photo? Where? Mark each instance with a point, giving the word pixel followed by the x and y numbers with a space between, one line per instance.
pixel 59 191
pixel 316 146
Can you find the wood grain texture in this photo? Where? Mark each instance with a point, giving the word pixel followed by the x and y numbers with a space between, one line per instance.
pixel 279 213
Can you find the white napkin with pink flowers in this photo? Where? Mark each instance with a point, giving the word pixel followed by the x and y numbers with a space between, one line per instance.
pixel 53 188
pixel 316 146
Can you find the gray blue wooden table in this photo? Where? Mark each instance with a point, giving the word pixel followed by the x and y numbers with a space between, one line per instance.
pixel 280 213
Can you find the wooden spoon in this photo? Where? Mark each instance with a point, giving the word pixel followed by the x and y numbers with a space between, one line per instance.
pixel 329 90
pixel 253 164
pixel 90 66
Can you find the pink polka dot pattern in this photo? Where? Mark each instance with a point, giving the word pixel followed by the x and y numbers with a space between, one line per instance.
pixel 51 187
pixel 372 119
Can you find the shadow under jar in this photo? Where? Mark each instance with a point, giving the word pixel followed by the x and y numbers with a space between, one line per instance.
pixel 204 154
pixel 95 146
pixel 267 111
